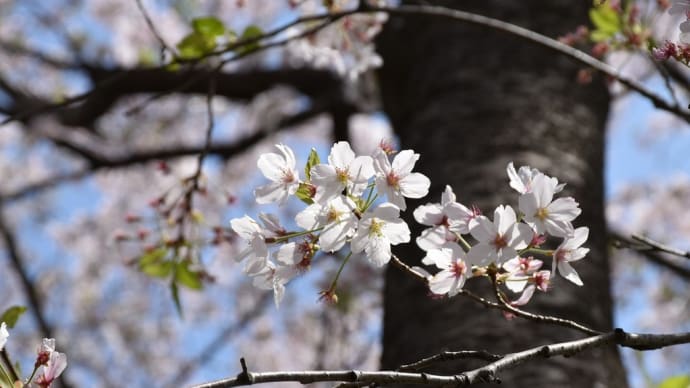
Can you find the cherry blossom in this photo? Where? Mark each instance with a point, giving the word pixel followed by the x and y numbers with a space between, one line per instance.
pixel 543 214
pixel 53 363
pixel 344 171
pixel 256 250
pixel 498 240
pixel 377 231
pixel 397 180
pixel 570 250
pixel 272 277
pixel 445 219
pixel 520 269
pixel 4 334
pixel 521 180
pixel 336 218
pixel 280 169
pixel 453 264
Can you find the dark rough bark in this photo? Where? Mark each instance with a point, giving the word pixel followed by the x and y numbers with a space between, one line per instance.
pixel 470 100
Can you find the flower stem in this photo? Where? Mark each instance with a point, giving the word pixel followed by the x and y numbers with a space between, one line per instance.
pixel 337 275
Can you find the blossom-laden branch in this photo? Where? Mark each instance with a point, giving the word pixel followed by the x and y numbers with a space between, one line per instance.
pixel 487 373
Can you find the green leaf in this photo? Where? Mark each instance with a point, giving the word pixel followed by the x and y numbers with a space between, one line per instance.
pixel 312 161
pixel 176 299
pixel 153 256
pixel 159 270
pixel 187 277
pixel 682 381
pixel 606 20
pixel 249 33
pixel 11 315
pixel 208 26
pixel 196 45
pixel 304 192
pixel 153 263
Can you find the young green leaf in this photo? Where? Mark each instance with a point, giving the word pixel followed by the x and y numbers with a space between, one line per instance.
pixel 208 26
pixel 312 161
pixel 305 192
pixel 250 33
pixel 11 315
pixel 176 299
pixel 187 277
pixel 196 45
pixel 682 381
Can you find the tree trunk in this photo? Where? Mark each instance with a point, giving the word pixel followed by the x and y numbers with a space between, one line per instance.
pixel 470 100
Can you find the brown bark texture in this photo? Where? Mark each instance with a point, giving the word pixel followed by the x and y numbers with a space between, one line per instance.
pixel 470 100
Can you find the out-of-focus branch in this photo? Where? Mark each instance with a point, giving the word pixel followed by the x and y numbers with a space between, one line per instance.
pixel 112 84
pixel 487 373
pixel 653 251
pixel 29 289
pixel 218 342
pixel 102 162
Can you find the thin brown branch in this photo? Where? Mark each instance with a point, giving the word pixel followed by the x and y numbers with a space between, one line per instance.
pixel 537 317
pixel 154 31
pixel 449 356
pixel 487 373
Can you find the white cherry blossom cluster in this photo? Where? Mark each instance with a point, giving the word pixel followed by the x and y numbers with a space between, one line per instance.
pixel 345 47
pixel 344 211
pixel 344 207
pixel 505 243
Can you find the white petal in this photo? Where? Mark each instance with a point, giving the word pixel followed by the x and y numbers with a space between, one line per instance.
pixel 483 230
pixel 448 196
pixel 543 188
pixel 515 181
pixel 396 231
pixel 430 214
pixel 432 238
pixel 245 227
pixel 442 282
pixel 272 166
pixel 481 254
pixel 568 272
pixel 362 168
pixel 378 251
pixel 308 218
pixel 272 192
pixel 564 209
pixel 414 185
pixel 441 258
pixel 341 155
pixel 504 218
pixel 404 162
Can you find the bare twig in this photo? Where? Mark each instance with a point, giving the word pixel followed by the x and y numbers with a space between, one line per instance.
pixel 449 356
pixel 154 31
pixel 537 317
pixel 659 247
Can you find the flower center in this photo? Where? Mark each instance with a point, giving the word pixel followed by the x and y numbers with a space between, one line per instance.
pixel 561 254
pixel 376 228
pixel 333 215
pixel 288 176
pixel 542 214
pixel 393 180
pixel 459 268
pixel 500 242
pixel 342 175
